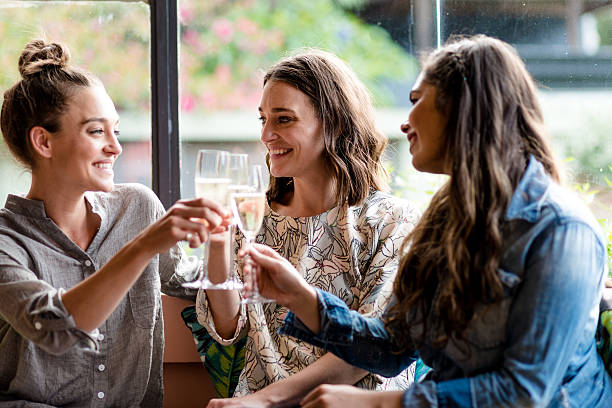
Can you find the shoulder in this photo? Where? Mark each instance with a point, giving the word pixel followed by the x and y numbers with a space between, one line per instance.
pixel 381 205
pixel 564 207
pixel 131 193
pixel 129 199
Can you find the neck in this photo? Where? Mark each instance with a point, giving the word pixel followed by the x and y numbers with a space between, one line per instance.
pixel 310 197
pixel 68 210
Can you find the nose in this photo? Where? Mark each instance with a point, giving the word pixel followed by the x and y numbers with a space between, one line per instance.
pixel 267 133
pixel 113 146
pixel 405 126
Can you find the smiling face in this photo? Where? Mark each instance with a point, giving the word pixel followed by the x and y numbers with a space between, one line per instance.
pixel 85 147
pixel 291 132
pixel 425 129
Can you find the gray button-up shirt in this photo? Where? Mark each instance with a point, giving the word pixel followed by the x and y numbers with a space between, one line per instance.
pixel 45 360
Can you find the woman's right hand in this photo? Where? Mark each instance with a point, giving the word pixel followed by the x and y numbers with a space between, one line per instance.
pixel 187 220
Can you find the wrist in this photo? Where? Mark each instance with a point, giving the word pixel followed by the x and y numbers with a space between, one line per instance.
pixel 306 308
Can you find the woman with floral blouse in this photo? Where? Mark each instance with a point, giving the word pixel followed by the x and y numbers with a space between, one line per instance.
pixel 328 214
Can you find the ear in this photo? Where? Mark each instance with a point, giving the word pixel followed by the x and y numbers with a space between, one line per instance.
pixel 40 141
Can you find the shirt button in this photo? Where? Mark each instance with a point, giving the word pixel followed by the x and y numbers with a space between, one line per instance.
pixel 88 263
pixel 100 395
pixel 101 367
pixel 38 326
pixel 100 337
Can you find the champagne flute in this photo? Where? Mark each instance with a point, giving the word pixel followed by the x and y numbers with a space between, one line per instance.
pixel 239 181
pixel 248 207
pixel 211 181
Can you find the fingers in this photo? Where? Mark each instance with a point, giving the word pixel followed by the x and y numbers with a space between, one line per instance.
pixel 204 202
pixel 263 251
pixel 265 257
pixel 201 208
pixel 314 397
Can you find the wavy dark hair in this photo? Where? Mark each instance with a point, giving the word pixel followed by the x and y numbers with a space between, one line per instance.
pixel 42 94
pixel 353 144
pixel 494 124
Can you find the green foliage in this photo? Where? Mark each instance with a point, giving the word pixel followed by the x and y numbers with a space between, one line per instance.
pixel 604 26
pixel 226 46
pixel 111 39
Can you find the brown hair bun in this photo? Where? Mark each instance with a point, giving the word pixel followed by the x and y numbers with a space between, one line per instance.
pixel 38 56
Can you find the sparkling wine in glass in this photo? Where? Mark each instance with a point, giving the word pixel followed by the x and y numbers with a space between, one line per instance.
pixel 211 182
pixel 239 181
pixel 248 207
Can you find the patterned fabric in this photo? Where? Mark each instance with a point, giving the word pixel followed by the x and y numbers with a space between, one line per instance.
pixel 224 363
pixel 351 252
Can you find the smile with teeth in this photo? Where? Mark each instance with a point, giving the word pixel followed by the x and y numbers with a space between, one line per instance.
pixel 106 166
pixel 279 152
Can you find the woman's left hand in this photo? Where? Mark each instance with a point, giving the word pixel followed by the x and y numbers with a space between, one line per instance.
pixel 342 396
pixel 248 401
pixel 277 279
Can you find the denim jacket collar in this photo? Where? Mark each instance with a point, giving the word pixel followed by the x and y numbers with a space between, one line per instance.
pixel 530 194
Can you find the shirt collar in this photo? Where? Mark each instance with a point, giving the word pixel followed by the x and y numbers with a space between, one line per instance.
pixel 25 206
pixel 36 208
pixel 529 196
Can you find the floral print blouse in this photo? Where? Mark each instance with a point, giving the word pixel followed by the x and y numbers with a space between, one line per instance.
pixel 351 252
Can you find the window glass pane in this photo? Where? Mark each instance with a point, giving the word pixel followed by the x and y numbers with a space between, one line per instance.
pixel 111 39
pixel 567 47
pixel 226 46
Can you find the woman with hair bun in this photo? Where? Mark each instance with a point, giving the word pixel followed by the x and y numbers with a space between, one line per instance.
pixel 82 259
pixel 499 284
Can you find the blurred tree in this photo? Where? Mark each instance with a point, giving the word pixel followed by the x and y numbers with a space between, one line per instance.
pixel 109 38
pixel 226 45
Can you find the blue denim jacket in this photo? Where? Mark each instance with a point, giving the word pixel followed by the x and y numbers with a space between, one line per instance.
pixel 535 347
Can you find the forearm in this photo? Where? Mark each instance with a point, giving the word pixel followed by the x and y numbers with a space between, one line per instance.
pixel 224 304
pixel 329 369
pixel 94 299
pixel 225 309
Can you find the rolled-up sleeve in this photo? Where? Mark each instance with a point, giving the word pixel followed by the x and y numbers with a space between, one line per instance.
pixel 36 311
pixel 358 340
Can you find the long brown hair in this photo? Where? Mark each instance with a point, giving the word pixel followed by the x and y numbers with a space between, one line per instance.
pixel 495 123
pixel 353 144
pixel 41 95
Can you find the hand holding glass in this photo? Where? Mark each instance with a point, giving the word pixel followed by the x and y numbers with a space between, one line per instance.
pixel 248 206
pixel 211 181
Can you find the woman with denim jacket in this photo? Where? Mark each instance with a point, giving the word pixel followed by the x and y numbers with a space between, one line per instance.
pixel 499 284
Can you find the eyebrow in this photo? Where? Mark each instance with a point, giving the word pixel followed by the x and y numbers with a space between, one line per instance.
pixel 89 120
pixel 279 110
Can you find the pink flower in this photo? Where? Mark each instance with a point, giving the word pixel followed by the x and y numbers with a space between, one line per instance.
pixel 188 102
pixel 190 37
pixel 223 29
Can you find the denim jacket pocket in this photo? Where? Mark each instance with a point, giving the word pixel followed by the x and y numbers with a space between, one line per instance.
pixel 145 299
pixel 487 329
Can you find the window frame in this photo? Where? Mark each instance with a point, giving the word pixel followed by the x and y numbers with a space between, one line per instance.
pixel 165 143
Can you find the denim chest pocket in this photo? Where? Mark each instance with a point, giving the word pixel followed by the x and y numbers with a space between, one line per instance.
pixel 488 326
pixel 145 299
pixel 484 338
